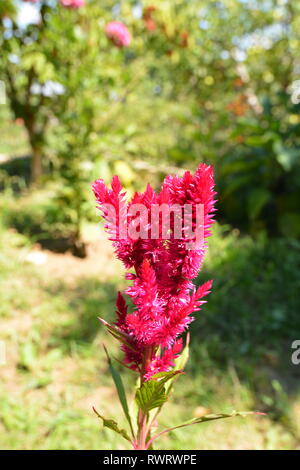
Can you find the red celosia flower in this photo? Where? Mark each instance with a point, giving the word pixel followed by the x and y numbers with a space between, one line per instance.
pixel 162 292
pixel 118 33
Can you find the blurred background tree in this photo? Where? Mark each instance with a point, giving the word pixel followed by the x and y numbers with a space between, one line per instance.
pixel 205 81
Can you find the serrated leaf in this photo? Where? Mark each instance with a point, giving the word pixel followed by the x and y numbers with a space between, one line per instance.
pixel 120 389
pixel 151 394
pixel 113 425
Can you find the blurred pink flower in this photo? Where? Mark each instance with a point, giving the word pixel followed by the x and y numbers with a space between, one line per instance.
pixel 118 33
pixel 72 3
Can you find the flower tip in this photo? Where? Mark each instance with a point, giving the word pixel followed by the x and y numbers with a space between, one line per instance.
pixel 116 184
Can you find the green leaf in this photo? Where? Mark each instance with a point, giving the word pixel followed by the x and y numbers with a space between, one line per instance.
pixel 236 183
pixel 213 417
pixel 165 376
pixel 113 425
pixel 203 419
pixel 116 332
pixel 181 360
pixel 287 159
pixel 257 199
pixel 151 394
pixel 120 389
pixel 289 224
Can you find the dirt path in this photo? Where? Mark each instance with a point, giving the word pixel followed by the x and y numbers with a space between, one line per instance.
pixel 100 260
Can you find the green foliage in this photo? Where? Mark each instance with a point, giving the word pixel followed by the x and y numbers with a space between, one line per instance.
pixel 7 9
pixel 40 218
pixel 184 91
pixel 120 389
pixel 152 394
pixel 259 179
pixel 13 140
pixel 253 308
pixel 204 419
pixel 111 424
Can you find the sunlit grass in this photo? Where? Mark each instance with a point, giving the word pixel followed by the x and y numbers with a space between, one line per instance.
pixel 14 140
pixel 56 369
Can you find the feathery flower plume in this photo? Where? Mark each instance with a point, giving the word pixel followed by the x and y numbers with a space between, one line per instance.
pixel 164 265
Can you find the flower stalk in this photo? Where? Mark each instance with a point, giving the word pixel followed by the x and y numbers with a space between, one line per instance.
pixel 143 432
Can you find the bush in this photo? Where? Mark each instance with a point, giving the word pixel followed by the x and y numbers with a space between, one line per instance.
pixel 254 307
pixel 37 216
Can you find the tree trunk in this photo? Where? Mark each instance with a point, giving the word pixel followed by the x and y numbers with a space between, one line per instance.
pixel 36 150
pixel 36 165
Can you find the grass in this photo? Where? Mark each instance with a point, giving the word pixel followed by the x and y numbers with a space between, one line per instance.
pixel 240 352
pixel 14 141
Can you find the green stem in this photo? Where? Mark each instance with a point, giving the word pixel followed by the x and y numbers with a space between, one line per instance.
pixel 143 433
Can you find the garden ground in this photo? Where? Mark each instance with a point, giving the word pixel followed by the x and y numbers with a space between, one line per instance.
pixel 56 369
